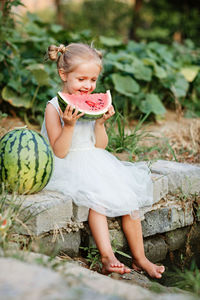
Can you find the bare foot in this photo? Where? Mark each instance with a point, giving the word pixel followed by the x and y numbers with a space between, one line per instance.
pixel 135 266
pixel 113 265
pixel 153 270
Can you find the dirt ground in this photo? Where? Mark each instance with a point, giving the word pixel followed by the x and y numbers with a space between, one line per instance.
pixel 172 138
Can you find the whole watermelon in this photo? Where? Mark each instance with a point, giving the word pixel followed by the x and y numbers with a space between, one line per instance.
pixel 26 161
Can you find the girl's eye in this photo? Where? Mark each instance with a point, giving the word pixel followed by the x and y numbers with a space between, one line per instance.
pixel 80 79
pixel 94 80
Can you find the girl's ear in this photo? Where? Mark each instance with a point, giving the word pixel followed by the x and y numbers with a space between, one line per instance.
pixel 63 74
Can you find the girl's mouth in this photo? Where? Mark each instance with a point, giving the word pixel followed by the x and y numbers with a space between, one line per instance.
pixel 84 92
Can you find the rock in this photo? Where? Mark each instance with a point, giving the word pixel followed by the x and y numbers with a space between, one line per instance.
pixel 116 288
pixel 155 249
pixel 66 242
pixel 160 187
pixel 182 177
pixel 166 216
pixel 48 210
pixel 22 281
pixel 80 213
pixel 176 239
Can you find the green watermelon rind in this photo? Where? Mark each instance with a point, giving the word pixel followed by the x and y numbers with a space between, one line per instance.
pixel 87 116
pixel 26 161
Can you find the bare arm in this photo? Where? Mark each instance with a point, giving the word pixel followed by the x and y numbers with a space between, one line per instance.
pixel 101 136
pixel 60 137
pixel 100 131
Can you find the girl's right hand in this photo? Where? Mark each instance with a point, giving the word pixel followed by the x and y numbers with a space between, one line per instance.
pixel 69 117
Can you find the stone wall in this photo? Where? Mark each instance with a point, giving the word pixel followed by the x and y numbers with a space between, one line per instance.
pixel 59 225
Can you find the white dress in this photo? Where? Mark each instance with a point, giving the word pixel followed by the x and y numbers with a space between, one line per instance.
pixel 95 178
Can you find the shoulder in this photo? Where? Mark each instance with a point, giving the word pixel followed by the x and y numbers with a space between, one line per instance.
pixel 54 103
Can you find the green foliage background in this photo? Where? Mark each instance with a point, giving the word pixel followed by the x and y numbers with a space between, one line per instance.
pixel 144 77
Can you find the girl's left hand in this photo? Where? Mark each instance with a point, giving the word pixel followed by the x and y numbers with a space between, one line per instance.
pixel 107 115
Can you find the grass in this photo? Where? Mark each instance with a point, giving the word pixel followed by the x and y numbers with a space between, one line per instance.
pixel 12 216
pixel 187 279
pixel 93 256
pixel 119 139
pixel 123 138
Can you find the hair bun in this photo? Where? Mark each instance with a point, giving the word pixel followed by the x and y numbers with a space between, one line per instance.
pixel 54 50
pixel 62 48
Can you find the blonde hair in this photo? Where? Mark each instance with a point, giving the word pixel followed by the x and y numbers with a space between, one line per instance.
pixel 72 55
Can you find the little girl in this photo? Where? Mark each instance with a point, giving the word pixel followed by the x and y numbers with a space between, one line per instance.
pixel 86 172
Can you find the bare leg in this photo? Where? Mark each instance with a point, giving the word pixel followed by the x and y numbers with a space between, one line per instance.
pixel 99 228
pixel 133 231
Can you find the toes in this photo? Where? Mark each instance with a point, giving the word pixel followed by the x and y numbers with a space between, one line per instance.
pixel 127 270
pixel 161 269
pixel 117 265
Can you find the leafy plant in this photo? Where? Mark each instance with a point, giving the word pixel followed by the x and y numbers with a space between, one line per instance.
pixel 94 258
pixel 144 78
pixel 121 137
pixel 188 279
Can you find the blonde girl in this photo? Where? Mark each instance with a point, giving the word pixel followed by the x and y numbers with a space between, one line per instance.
pixel 85 172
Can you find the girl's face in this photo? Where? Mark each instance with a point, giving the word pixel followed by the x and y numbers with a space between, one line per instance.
pixel 82 80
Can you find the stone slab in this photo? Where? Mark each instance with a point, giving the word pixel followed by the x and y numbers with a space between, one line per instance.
pixel 47 210
pixel 166 216
pixel 61 243
pixel 160 186
pixel 155 249
pixel 80 213
pixel 22 281
pixel 181 176
pixel 116 288
pixel 176 239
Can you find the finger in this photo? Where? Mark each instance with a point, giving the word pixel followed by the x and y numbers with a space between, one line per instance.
pixel 70 110
pixel 112 111
pixel 75 113
pixel 80 115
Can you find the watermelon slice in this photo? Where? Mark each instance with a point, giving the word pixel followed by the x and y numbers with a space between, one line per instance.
pixel 93 105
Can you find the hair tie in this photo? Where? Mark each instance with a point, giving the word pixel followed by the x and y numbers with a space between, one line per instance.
pixel 62 49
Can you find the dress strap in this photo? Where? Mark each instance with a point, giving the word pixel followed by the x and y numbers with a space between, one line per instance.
pixel 54 102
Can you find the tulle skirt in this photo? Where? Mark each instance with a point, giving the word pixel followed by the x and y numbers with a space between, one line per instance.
pixel 96 179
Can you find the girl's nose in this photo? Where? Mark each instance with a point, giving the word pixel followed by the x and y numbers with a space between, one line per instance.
pixel 87 85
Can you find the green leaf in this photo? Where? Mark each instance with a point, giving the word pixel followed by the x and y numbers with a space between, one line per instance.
pixel 15 100
pixel 55 28
pixel 180 86
pixel 123 67
pixel 140 71
pixel 152 104
pixel 158 71
pixel 190 72
pixel 110 42
pixel 125 85
pixel 1 57
pixel 40 74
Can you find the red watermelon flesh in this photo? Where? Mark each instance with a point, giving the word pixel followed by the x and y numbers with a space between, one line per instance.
pixel 93 105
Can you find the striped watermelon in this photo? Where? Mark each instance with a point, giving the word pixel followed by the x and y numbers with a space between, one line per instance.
pixel 26 161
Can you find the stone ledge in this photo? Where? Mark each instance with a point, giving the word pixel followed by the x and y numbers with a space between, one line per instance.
pixel 166 216
pixel 48 210
pixel 160 186
pixel 53 211
pixel 181 176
